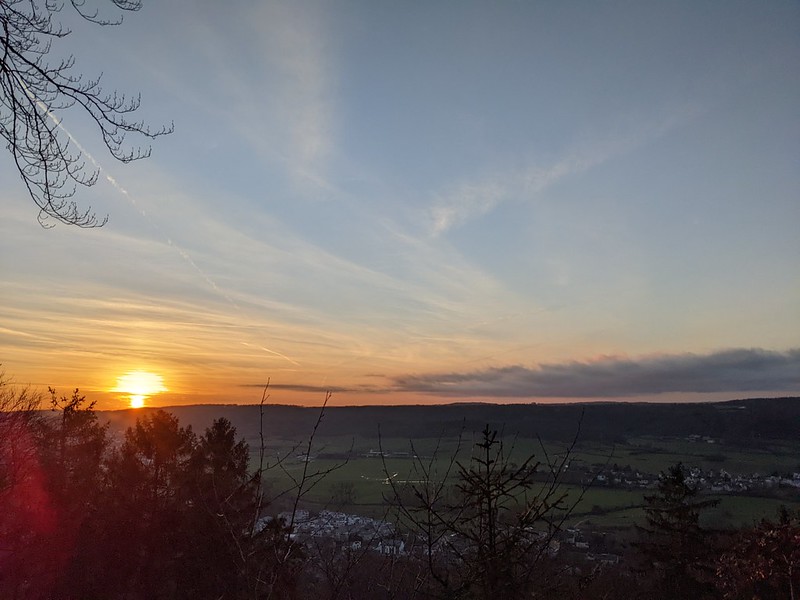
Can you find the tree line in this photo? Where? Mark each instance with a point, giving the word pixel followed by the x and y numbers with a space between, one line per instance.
pixel 165 512
pixel 161 513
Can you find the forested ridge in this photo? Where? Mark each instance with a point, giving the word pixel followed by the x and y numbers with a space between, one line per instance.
pixel 743 422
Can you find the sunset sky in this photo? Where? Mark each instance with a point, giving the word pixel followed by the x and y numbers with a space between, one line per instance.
pixel 407 202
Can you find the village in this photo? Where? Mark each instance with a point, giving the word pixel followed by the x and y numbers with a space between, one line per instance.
pixel 359 534
pixel 579 543
pixel 710 480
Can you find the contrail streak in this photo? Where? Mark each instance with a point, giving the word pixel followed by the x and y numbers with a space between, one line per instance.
pixel 275 352
pixel 181 252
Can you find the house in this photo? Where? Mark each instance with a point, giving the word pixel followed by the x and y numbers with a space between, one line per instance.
pixel 392 547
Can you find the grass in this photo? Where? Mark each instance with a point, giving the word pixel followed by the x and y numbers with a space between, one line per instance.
pixel 602 506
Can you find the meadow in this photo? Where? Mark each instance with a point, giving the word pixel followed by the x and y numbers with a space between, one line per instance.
pixel 743 437
pixel 358 477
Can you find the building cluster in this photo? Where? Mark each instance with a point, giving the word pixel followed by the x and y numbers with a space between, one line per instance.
pixel 351 532
pixel 622 477
pixel 348 531
pixel 711 480
pixel 722 481
pixel 580 546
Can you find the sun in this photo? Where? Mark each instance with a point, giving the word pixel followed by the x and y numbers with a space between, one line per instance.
pixel 139 386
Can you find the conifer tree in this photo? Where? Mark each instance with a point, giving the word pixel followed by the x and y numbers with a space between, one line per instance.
pixel 676 552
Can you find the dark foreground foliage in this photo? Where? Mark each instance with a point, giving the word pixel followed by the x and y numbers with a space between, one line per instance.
pixel 162 514
pixel 165 513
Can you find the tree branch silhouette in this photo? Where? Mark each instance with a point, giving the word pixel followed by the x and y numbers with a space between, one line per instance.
pixel 37 90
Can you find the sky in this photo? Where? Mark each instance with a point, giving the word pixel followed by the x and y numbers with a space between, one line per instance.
pixel 426 202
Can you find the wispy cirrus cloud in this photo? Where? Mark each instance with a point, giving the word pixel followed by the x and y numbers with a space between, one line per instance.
pixel 294 48
pixel 471 199
pixel 736 370
pixel 317 389
pixel 269 79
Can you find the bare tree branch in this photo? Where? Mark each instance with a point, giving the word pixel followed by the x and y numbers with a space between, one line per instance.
pixel 37 90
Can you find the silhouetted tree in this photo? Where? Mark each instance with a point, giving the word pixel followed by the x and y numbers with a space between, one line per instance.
pixel 220 497
pixel 20 421
pixel 489 534
pixel 677 553
pixel 279 576
pixel 182 519
pixel 56 479
pixel 72 447
pixel 140 538
pixel 37 89
pixel 75 457
pixel 763 562
pixel 27 516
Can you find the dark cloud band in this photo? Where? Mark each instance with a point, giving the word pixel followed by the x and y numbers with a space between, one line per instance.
pixel 738 370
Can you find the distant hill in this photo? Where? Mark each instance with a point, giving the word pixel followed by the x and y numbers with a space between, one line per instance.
pixel 742 422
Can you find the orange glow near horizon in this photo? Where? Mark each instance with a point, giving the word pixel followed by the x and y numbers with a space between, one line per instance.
pixel 139 386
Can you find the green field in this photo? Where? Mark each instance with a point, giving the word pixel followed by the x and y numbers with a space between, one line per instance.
pixel 742 437
pixel 366 475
